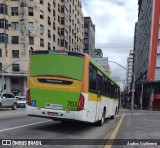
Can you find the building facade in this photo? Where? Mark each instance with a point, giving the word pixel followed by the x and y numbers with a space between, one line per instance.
pixel 130 71
pixel 89 36
pixel 35 25
pixel 147 54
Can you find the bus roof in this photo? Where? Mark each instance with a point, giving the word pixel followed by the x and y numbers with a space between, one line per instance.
pixel 57 52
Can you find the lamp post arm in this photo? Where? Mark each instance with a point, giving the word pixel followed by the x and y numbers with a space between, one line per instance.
pixel 121 66
pixel 2 72
pixel 13 63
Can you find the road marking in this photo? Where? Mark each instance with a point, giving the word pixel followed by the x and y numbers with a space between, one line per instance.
pixel 114 133
pixel 23 126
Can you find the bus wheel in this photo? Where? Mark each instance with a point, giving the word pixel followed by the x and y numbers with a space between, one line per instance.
pixel 112 117
pixel 101 122
pixel 14 107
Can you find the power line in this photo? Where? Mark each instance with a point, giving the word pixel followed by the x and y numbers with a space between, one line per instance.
pixel 114 45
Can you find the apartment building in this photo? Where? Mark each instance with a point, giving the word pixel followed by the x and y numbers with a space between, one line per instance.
pixel 35 25
pixel 147 54
pixel 130 71
pixel 89 36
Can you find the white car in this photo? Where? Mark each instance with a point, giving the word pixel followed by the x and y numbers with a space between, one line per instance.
pixel 21 101
pixel 8 100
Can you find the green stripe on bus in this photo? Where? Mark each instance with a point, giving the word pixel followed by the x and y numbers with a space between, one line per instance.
pixel 68 100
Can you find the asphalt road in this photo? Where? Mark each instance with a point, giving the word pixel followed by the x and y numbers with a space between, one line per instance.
pixel 15 124
pixel 142 129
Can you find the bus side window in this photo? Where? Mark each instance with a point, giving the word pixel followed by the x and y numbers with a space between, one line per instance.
pixel 112 90
pixel 99 84
pixel 109 87
pixel 105 86
pixel 92 79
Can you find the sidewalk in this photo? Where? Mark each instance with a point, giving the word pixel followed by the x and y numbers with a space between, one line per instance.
pixel 142 128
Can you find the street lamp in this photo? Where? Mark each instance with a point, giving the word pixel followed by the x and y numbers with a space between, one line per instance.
pixel 2 72
pixel 133 86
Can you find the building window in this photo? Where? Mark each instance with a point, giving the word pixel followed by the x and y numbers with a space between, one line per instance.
pixel 41 14
pixel 62 21
pixel 62 31
pixel 30 26
pixel 59 19
pixel 0 66
pixel 62 9
pixel 14 11
pixel 49 21
pixel 41 29
pixel 14 25
pixel 31 40
pixel 58 41
pixel 66 45
pixel 59 31
pixel 14 80
pixel 30 11
pixel 0 52
pixel 54 13
pixel 15 67
pixel 15 53
pixel 3 38
pixel 3 23
pixel 3 9
pixel 53 48
pixel 15 39
pixel 49 46
pixel 59 8
pixel 54 38
pixel 42 42
pixel 41 2
pixel 54 2
pixel 49 7
pixel 62 43
pixel 158 42
pixel 49 33
pixel 54 26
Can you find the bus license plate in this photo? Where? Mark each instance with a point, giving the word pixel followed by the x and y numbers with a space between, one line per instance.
pixel 52 113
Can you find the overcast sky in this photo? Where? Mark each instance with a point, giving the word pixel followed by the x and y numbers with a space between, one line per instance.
pixel 115 22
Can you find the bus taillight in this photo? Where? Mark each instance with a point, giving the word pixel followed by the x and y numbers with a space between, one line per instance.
pixel 28 97
pixel 80 103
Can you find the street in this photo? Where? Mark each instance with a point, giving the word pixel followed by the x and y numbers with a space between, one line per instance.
pixel 17 125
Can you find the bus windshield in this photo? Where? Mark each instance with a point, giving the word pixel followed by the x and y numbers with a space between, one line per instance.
pixel 56 64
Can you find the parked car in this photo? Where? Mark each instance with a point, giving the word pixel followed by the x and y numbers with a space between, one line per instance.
pixel 8 100
pixel 21 101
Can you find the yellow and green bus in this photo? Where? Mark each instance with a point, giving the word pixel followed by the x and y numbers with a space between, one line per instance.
pixel 69 86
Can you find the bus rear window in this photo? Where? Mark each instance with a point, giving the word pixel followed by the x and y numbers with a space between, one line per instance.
pixel 59 65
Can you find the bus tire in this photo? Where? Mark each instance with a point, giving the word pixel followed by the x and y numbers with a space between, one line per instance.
pixel 116 112
pixel 101 122
pixel 14 107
